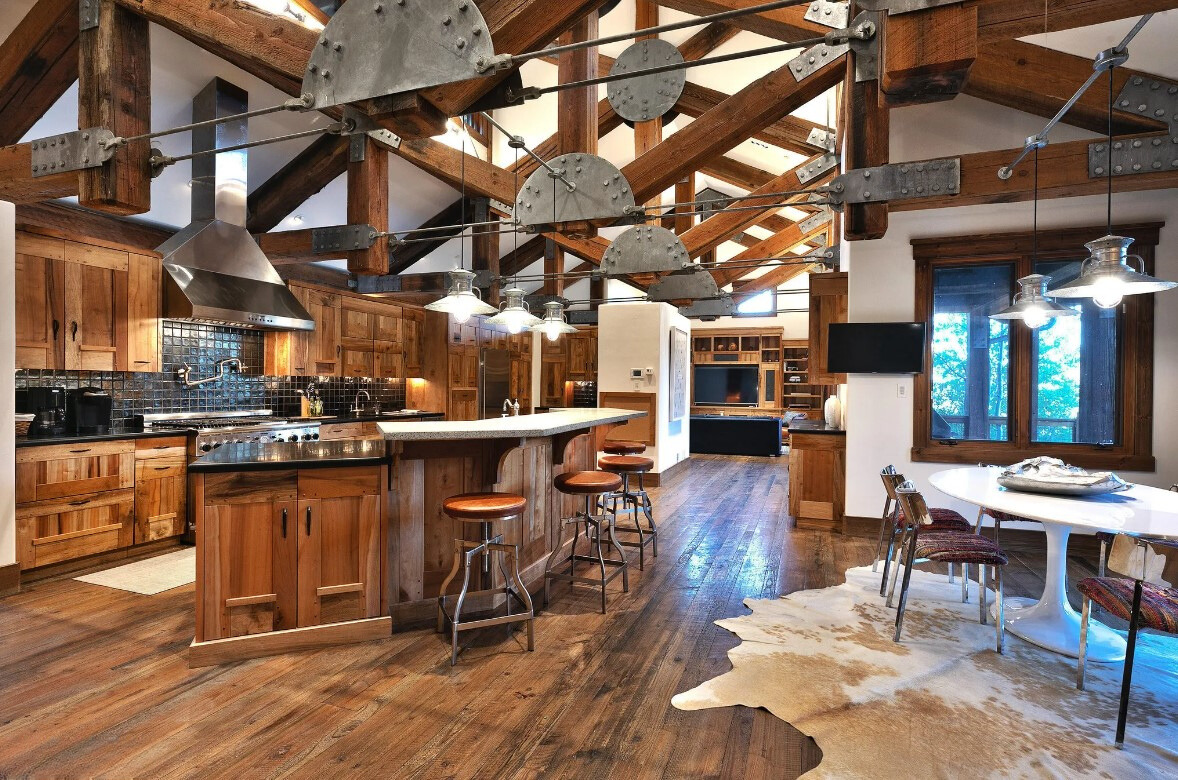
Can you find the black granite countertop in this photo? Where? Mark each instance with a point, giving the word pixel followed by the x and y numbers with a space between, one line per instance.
pixel 114 435
pixel 347 418
pixel 814 426
pixel 277 456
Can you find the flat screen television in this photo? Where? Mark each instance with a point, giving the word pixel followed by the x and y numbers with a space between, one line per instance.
pixel 875 348
pixel 727 385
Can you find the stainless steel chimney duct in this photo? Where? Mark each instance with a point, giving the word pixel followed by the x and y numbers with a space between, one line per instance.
pixel 216 272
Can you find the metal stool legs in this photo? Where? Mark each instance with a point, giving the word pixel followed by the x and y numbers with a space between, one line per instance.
pixel 634 502
pixel 465 553
pixel 599 523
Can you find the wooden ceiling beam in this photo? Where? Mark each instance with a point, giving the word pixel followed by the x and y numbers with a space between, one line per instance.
pixel 776 246
pixel 38 63
pixel 18 185
pixel 773 278
pixel 866 136
pixel 68 221
pixel 927 55
pixel 577 113
pixel 1039 81
pixel 785 24
pixel 1063 173
pixel 368 204
pixel 515 261
pixel 312 169
pixel 1005 19
pixel 114 92
pixel 403 256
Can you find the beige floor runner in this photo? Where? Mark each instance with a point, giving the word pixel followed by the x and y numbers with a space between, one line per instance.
pixel 941 704
pixel 151 575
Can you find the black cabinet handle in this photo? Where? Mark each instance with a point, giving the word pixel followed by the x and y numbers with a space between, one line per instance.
pixel 80 503
pixel 79 452
pixel 337 350
pixel 56 328
pixel 283 523
pixel 73 330
pixel 308 521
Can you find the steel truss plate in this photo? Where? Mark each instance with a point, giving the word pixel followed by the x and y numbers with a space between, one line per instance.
pixel 823 139
pixel 866 52
pixel 829 14
pixel 1151 98
pixel 815 169
pixel 810 224
pixel 645 249
pixel 894 7
pixel 71 151
pixel 88 14
pixel 813 59
pixel 710 309
pixel 342 238
pixel 601 193
pixel 688 284
pixel 899 181
pixel 1141 155
pixel 374 48
pixel 643 98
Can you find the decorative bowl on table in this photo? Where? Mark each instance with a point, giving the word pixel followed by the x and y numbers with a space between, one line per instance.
pixel 1053 476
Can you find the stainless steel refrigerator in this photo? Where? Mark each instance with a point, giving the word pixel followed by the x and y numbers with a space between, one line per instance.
pixel 494 381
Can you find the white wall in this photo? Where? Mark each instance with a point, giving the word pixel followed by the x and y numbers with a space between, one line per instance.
pixel 7 389
pixel 638 335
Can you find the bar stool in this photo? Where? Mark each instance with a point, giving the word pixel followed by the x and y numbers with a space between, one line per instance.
pixel 633 501
pixel 621 447
pixel 485 509
pixel 591 485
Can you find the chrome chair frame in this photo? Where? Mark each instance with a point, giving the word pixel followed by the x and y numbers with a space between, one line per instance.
pixel 465 551
pixel 620 564
pixel 633 502
pixel 891 520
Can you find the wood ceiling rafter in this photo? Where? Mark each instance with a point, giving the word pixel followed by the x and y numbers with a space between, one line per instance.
pixel 308 172
pixel 38 63
pixel 776 246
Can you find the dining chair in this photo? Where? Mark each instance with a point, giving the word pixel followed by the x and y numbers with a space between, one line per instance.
pixel 950 547
pixel 1145 604
pixel 892 524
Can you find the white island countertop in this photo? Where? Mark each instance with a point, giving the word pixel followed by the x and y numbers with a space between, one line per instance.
pixel 525 425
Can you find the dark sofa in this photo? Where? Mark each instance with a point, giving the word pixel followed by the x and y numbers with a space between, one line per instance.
pixel 718 435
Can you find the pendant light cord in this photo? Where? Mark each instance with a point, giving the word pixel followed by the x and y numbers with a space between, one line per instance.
pixel 1035 212
pixel 1109 165
pixel 462 179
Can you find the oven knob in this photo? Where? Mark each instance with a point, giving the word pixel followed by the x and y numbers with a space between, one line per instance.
pixel 218 444
pixel 292 438
pixel 205 447
pixel 306 437
pixel 314 437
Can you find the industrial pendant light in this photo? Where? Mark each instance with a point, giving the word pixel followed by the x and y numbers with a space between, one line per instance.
pixel 1031 304
pixel 462 300
pixel 1105 275
pixel 553 324
pixel 514 314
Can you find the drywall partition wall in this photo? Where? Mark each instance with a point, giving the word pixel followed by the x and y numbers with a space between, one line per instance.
pixel 638 336
pixel 882 288
pixel 8 387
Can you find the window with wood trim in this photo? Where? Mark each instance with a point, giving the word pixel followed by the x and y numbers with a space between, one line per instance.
pixel 995 391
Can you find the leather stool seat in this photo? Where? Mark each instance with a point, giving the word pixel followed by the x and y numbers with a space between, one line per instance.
pixel 632 464
pixel 481 507
pixel 624 447
pixel 587 483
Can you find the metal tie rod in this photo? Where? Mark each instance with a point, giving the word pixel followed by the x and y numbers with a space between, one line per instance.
pixel 164 160
pixel 783 193
pixel 530 93
pixel 1105 60
pixel 517 142
pixel 294 104
pixel 517 59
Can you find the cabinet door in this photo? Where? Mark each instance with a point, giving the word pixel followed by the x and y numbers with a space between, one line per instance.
pixel 40 310
pixel 62 470
pixel 387 327
pixel 358 359
pixel 464 405
pixel 56 531
pixel 828 304
pixel 144 303
pixel 356 324
pixel 160 498
pixel 552 379
pixel 317 353
pixel 339 558
pixel 390 364
pixel 455 375
pixel 96 312
pixel 411 327
pixel 578 357
pixel 470 367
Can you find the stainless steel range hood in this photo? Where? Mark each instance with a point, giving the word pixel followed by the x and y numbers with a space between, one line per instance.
pixel 215 271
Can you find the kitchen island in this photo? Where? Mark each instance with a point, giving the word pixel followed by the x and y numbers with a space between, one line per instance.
pixel 305 545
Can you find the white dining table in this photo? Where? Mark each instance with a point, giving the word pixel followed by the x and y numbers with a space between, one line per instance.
pixel 1051 622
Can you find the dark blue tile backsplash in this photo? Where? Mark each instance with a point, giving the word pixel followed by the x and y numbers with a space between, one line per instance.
pixel 200 346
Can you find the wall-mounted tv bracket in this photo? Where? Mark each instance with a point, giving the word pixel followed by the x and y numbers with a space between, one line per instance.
pixel 645 249
pixel 376 48
pixel 898 181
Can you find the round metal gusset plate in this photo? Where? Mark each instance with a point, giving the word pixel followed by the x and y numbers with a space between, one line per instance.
pixel 600 195
pixel 645 249
pixel 643 98
pixel 374 48
pixel 688 285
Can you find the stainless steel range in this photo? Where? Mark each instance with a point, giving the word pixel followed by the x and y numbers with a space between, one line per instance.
pixel 209 430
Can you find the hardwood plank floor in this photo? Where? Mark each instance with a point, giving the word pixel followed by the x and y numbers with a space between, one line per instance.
pixel 94 682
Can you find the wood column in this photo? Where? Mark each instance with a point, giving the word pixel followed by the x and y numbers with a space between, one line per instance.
pixel 553 264
pixel 485 247
pixel 866 137
pixel 577 108
pixel 685 193
pixel 927 55
pixel 647 135
pixel 114 91
pixel 368 203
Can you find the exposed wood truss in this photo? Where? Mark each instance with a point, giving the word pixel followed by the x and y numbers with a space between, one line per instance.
pixel 38 63
pixel 312 169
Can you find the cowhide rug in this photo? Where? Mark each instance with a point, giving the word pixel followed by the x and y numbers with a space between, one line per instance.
pixel 942 703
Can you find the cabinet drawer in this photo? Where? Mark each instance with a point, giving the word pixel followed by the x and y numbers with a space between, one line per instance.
pixel 341 431
pixel 62 531
pixel 170 448
pixel 159 468
pixel 160 504
pixel 63 471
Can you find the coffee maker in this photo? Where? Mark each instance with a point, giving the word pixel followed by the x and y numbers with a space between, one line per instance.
pixel 88 411
pixel 47 404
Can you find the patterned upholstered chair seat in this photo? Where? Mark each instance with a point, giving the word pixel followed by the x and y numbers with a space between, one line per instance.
pixel 1159 606
pixel 1007 517
pixel 943 520
pixel 952 547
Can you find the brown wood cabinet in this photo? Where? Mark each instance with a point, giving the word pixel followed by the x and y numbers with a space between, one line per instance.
pixel 85 306
pixel 571 358
pixel 317 352
pixel 288 549
pixel 59 530
pixel 161 489
pixel 828 304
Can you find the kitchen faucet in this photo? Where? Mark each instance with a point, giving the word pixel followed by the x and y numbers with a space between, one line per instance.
pixel 356 407
pixel 510 407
